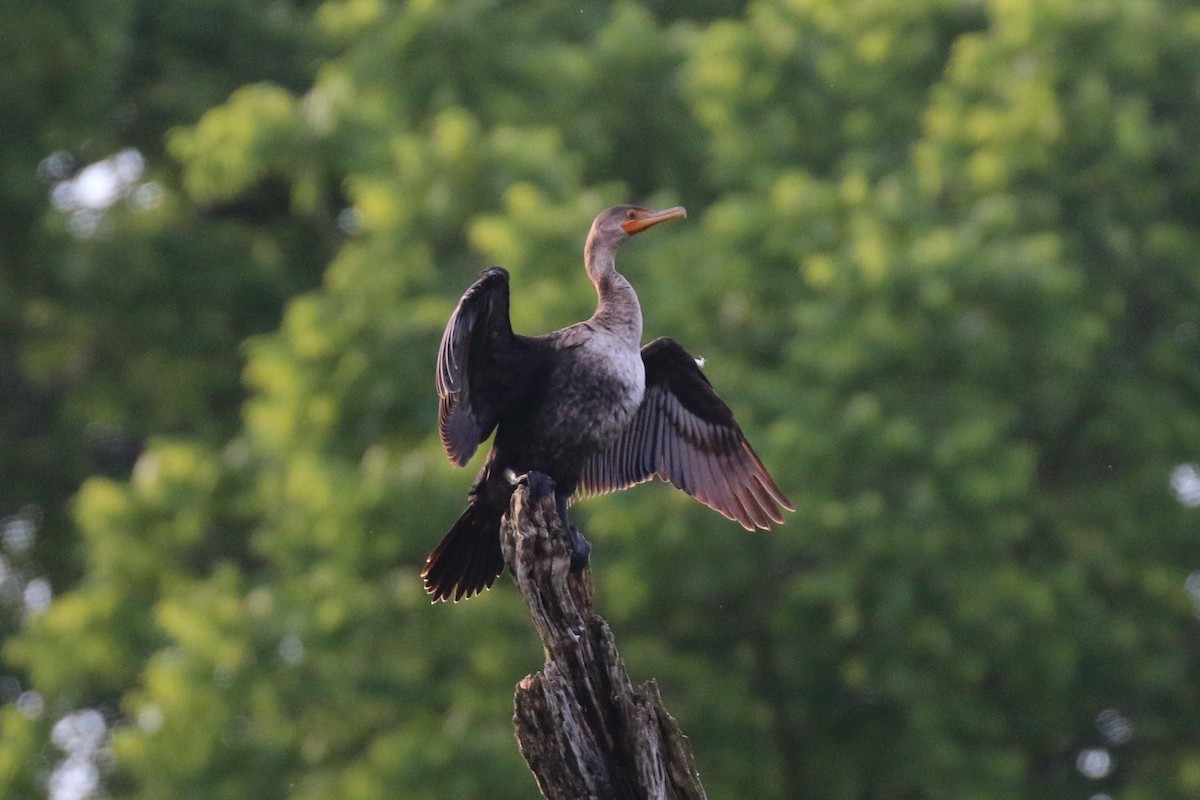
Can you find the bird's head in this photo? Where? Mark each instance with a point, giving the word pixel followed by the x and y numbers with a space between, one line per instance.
pixel 614 226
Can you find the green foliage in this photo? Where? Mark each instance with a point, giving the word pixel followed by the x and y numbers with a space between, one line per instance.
pixel 121 318
pixel 940 261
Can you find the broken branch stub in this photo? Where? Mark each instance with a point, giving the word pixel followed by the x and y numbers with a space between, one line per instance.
pixel 583 728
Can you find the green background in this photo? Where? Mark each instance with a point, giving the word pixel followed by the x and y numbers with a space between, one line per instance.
pixel 942 258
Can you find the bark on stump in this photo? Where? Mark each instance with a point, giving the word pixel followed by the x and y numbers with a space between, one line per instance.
pixel 584 729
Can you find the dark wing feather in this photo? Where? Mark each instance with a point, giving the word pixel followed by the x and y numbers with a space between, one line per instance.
pixel 482 367
pixel 685 434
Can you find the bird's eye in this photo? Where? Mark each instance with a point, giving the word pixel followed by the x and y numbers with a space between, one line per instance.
pixel 630 215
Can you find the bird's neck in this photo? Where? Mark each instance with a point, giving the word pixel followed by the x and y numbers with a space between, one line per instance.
pixel 617 309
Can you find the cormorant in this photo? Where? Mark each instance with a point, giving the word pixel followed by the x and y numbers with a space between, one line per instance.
pixel 585 406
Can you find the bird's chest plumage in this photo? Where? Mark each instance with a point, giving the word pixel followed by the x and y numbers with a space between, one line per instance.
pixel 602 389
pixel 587 400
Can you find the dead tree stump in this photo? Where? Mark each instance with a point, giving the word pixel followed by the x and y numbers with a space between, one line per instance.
pixel 584 729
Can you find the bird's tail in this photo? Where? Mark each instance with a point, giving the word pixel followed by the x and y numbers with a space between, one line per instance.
pixel 468 560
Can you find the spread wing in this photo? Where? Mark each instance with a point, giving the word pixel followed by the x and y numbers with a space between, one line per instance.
pixel 685 434
pixel 482 367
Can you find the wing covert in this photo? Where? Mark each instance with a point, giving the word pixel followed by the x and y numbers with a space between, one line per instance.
pixel 685 434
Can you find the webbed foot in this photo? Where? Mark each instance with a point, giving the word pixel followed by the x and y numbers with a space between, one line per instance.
pixel 539 484
pixel 581 550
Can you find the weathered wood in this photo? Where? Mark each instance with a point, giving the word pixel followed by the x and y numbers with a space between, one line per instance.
pixel 584 729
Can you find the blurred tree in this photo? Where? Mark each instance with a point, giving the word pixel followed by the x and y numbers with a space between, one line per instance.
pixel 122 301
pixel 941 261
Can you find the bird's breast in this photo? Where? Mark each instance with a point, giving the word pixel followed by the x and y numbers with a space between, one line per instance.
pixel 592 395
